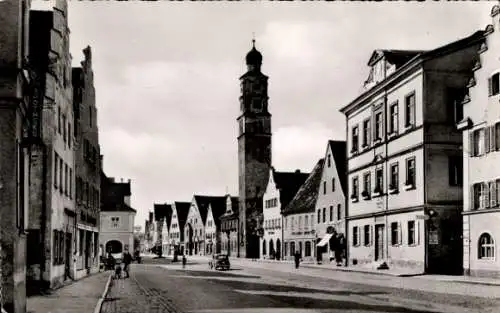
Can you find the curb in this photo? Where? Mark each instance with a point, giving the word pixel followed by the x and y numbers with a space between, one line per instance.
pixel 98 306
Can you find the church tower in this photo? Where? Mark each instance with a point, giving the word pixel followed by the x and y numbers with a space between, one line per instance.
pixel 254 153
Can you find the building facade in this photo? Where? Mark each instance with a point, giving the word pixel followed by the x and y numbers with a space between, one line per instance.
pixel 52 169
pixel 402 141
pixel 195 232
pixel 298 218
pixel 281 188
pixel 254 153
pixel 330 207
pixel 481 136
pixel 88 163
pixel 14 151
pixel 229 227
pixel 117 217
pixel 162 213
pixel 180 211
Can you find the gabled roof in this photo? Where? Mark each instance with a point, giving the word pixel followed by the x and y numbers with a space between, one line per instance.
pixel 117 207
pixel 305 199
pixel 288 184
pixel 163 212
pixel 414 63
pixel 396 57
pixel 218 208
pixel 182 212
pixel 339 153
pixel 202 202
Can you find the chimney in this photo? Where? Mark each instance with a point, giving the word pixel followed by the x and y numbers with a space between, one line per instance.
pixel 297 171
pixel 129 180
pixel 121 180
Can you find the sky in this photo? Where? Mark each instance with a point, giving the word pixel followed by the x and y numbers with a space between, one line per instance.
pixel 166 79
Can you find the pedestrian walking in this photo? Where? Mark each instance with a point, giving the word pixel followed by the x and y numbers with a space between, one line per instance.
pixel 297 259
pixel 184 261
pixel 127 259
pixel 338 250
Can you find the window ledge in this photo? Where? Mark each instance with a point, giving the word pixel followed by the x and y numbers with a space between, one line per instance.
pixel 376 194
pixel 410 187
pixel 486 259
pixel 413 245
pixel 393 134
pixel 409 128
pixel 393 191
pixel 464 124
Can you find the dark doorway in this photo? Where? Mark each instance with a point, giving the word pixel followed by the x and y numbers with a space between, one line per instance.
pixel 190 239
pixel 379 242
pixel 67 265
pixel 278 249
pixel 114 247
pixel 88 245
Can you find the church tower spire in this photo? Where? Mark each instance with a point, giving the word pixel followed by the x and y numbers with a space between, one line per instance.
pixel 254 152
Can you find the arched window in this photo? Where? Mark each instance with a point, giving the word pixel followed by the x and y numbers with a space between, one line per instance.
pixel 486 247
pixel 264 247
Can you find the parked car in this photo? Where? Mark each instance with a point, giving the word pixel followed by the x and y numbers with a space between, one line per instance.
pixel 222 262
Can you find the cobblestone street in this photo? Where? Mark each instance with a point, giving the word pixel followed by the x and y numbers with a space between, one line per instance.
pixel 155 288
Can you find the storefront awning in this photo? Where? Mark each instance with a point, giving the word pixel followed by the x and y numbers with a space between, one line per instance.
pixel 325 240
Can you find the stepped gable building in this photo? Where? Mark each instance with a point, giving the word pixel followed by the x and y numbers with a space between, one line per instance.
pixel 229 227
pixel 53 235
pixel 404 153
pixel 478 117
pixel 331 204
pixel 116 217
pixel 161 213
pixel 213 232
pixel 180 211
pixel 254 153
pixel 15 105
pixel 88 163
pixel 298 216
pixel 194 229
pixel 280 190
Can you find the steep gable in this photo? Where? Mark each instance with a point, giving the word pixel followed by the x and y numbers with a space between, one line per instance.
pixel 339 154
pixel 305 199
pixel 182 213
pixel 218 206
pixel 288 183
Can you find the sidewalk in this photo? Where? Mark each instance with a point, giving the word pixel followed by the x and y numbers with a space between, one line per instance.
pixel 81 296
pixel 366 270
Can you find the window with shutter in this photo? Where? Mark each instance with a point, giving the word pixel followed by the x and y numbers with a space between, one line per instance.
pixel 371 234
pixel 490 89
pixel 472 198
pixel 493 194
pixel 495 84
pixel 486 192
pixel 487 139
pixel 472 145
pixel 492 138
pixel 400 234
pixel 417 232
pixel 496 131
